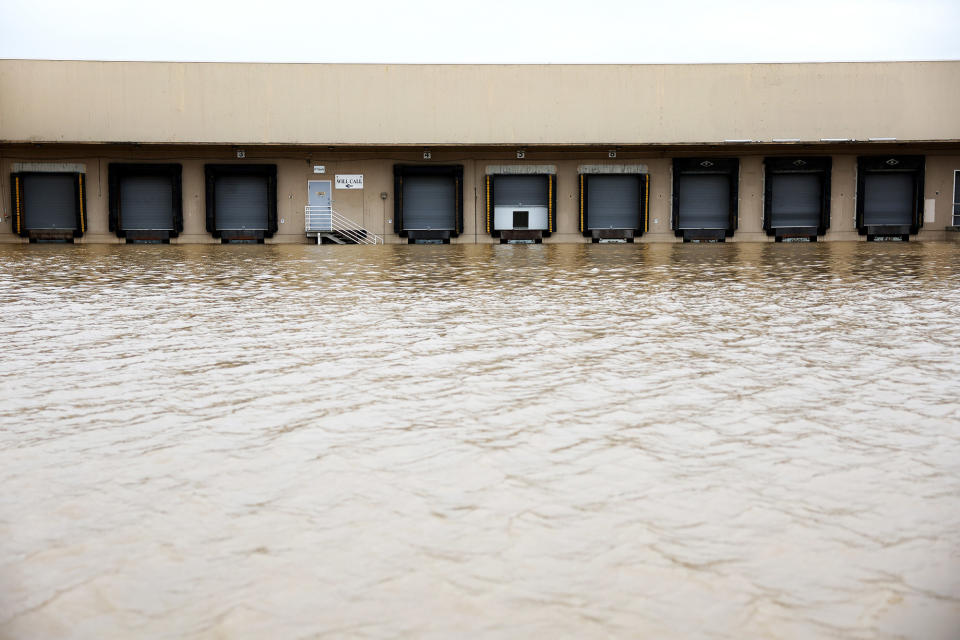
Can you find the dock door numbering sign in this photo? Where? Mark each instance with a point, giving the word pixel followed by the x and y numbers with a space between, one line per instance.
pixel 349 181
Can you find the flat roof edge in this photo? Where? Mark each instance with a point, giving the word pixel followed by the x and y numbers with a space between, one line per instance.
pixel 600 146
pixel 490 64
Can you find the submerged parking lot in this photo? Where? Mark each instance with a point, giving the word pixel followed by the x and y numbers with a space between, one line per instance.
pixel 725 441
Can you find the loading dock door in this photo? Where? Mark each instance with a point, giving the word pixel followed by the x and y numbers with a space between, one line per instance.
pixel 146 203
pixel 429 203
pixel 796 200
pixel 521 193
pixel 704 201
pixel 614 202
pixel 51 202
pixel 888 199
pixel 241 203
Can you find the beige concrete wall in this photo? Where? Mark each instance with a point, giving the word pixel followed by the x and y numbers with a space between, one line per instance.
pixel 938 185
pixel 295 169
pixel 843 199
pixel 154 102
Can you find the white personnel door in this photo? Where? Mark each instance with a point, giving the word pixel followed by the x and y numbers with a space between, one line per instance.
pixel 319 205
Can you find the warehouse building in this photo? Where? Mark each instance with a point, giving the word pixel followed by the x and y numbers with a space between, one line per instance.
pixel 113 152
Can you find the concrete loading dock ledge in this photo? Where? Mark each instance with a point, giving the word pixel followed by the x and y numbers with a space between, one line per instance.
pixel 110 152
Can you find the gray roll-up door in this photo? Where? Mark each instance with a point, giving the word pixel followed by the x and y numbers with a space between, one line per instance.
pixel 613 202
pixel 704 202
pixel 241 203
pixel 50 202
pixel 429 202
pixel 797 200
pixel 528 191
pixel 956 197
pixel 146 203
pixel 888 198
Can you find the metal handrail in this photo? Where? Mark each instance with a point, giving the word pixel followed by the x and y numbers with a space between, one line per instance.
pixel 326 220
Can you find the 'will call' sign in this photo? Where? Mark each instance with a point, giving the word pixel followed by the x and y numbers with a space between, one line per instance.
pixel 349 181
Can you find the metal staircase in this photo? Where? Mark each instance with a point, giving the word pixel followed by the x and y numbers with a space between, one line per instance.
pixel 326 224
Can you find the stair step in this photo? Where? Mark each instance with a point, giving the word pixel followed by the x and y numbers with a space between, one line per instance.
pixel 333 228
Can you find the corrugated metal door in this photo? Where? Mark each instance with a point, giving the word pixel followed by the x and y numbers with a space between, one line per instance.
pixel 704 202
pixel 797 200
pixel 527 191
pixel 51 202
pixel 888 199
pixel 613 202
pixel 241 203
pixel 956 197
pixel 429 202
pixel 146 203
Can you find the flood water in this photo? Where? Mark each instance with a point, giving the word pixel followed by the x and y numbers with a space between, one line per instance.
pixel 657 441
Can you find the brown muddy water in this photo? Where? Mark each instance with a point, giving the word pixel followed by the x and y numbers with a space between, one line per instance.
pixel 656 441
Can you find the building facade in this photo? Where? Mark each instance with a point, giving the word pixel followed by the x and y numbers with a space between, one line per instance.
pixel 112 152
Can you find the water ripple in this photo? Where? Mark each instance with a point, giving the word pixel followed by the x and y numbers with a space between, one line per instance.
pixel 719 441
